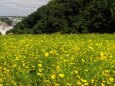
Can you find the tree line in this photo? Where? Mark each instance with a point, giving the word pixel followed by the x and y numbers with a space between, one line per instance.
pixel 70 16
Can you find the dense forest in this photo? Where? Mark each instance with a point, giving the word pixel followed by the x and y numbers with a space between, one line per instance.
pixel 70 16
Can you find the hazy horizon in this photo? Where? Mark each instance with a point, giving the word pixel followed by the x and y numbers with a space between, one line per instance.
pixel 20 7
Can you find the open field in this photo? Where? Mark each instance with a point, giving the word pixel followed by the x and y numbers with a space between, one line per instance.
pixel 57 60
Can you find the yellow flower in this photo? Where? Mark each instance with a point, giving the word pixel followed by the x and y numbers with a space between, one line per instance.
pixel 92 81
pixel 13 82
pixel 103 81
pixel 17 58
pixel 86 84
pixel 102 84
pixel 61 75
pixel 76 71
pixel 56 84
pixel 53 76
pixel 51 52
pixel 102 56
pixel 83 80
pixel 0 80
pixel 40 74
pixel 1 84
pixel 46 81
pixel 46 54
pixel 39 65
pixel 82 60
pixel 90 47
pixel 14 65
pixel 111 79
pixel 58 68
pixel 78 82
pixel 41 69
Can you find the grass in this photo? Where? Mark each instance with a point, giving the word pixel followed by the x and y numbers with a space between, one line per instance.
pixel 57 60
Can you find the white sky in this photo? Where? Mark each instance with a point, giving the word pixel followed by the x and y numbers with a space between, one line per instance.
pixel 20 7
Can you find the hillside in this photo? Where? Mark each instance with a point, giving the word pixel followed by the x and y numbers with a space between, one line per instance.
pixel 70 16
pixel 5 20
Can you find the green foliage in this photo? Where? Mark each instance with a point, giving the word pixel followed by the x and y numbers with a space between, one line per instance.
pixel 71 16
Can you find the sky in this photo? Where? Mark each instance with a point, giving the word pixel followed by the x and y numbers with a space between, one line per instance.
pixel 20 7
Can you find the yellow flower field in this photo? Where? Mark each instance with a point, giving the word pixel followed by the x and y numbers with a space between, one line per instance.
pixel 57 60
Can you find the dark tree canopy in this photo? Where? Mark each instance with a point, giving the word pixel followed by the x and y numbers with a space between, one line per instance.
pixel 70 16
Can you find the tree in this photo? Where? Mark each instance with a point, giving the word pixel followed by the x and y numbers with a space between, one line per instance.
pixel 70 16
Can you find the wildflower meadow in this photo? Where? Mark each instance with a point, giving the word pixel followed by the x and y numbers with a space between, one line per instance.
pixel 57 60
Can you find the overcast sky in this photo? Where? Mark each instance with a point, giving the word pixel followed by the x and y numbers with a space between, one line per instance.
pixel 20 7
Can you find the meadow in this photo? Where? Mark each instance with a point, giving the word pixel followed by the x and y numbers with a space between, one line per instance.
pixel 57 60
